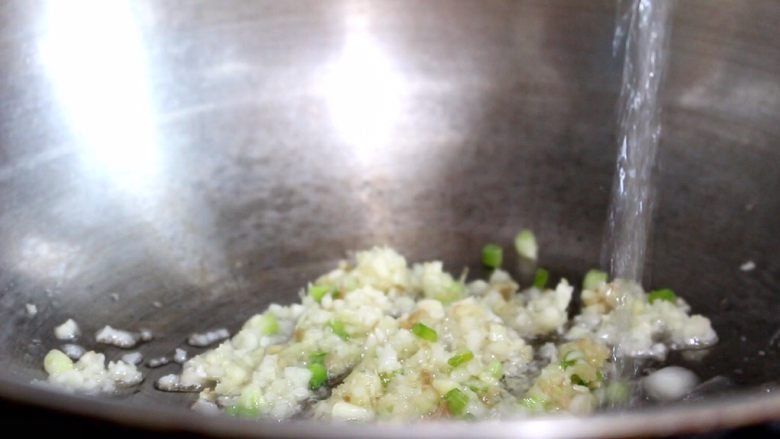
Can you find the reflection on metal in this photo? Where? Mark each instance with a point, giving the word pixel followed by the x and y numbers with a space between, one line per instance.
pixel 95 59
pixel 47 259
pixel 363 90
pixel 93 55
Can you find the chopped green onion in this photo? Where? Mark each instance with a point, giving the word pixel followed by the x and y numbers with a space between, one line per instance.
pixel 478 387
pixel 267 324
pixel 540 278
pixel 495 369
pixel 461 358
pixel 319 375
pixel 492 256
pixel 424 332
pixel 317 292
pixel 338 328
pixel 662 294
pixel 248 404
pixel 577 380
pixel 456 402
pixel 525 244
pixel 568 362
pixel 56 362
pixel 593 279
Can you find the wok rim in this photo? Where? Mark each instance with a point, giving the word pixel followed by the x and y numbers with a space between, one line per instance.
pixel 742 409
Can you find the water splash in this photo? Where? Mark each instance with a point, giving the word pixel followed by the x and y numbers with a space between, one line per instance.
pixel 643 27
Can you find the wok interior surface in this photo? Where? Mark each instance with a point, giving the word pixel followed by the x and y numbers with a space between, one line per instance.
pixel 177 166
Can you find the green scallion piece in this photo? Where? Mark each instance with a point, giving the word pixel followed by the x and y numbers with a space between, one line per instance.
pixel 317 292
pixel 268 324
pixel 248 404
pixel 338 328
pixel 568 361
pixel 457 401
pixel 525 244
pixel 319 375
pixel 540 278
pixel 577 380
pixel 593 279
pixel 492 256
pixel 495 369
pixel 478 387
pixel 463 357
pixel 662 294
pixel 424 332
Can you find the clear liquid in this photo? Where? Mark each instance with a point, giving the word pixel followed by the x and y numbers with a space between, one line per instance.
pixel 642 29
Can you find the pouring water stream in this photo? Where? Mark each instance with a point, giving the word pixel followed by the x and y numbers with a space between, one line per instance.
pixel 642 32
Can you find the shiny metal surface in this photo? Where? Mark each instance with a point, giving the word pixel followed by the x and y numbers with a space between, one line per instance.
pixel 213 156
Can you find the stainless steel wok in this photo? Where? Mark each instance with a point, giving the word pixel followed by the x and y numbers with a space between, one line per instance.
pixel 177 165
